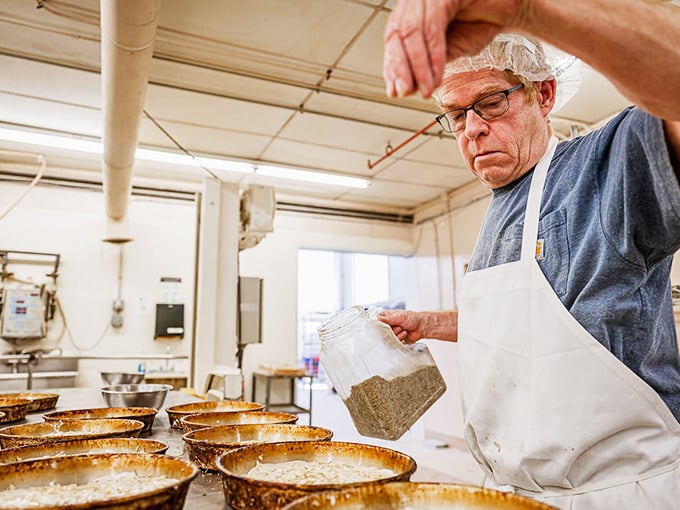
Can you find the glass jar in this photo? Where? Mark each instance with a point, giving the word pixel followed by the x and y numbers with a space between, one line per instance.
pixel 385 384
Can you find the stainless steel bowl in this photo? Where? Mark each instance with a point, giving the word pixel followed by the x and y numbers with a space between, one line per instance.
pixel 136 395
pixel 111 378
pixel 426 496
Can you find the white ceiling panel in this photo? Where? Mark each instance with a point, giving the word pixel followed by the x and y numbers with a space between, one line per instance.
pixel 436 150
pixel 203 140
pixel 45 114
pixel 49 82
pixel 31 32
pixel 287 82
pixel 225 84
pixel 379 111
pixel 203 110
pixel 337 133
pixel 310 156
pixel 270 27
pixel 433 175
pixel 365 55
pixel 408 197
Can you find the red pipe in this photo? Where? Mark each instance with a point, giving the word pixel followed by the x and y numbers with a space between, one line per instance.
pixel 389 151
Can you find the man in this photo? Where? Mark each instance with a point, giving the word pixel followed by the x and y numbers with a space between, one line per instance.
pixel 569 365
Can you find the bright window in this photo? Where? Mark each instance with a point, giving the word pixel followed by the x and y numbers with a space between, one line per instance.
pixel 330 281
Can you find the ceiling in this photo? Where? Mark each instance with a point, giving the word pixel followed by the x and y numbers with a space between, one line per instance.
pixel 295 83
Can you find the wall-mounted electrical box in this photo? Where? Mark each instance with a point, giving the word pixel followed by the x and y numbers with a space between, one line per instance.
pixel 250 310
pixel 27 303
pixel 23 313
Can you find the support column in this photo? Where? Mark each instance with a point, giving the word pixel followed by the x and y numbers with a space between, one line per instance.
pixel 216 335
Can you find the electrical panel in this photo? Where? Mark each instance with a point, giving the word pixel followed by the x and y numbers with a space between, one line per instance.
pixel 250 310
pixel 23 313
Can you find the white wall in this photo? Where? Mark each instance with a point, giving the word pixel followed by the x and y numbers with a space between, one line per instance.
pixel 72 223
pixel 275 260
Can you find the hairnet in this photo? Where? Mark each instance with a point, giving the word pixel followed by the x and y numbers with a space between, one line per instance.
pixel 534 60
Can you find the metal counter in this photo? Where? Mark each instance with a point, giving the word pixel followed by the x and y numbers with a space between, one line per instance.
pixel 205 491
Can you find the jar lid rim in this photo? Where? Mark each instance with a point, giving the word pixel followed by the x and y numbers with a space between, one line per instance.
pixel 341 321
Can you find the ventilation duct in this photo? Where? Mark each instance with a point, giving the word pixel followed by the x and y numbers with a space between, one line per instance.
pixel 128 29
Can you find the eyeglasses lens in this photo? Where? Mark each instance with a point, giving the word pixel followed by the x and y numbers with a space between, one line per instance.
pixel 488 108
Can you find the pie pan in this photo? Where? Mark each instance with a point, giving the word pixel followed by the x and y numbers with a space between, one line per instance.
pixel 67 430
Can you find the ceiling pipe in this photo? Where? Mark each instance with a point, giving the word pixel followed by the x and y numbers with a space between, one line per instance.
pixel 128 30
pixel 389 150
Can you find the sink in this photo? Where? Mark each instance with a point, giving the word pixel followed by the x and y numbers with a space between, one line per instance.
pixel 46 372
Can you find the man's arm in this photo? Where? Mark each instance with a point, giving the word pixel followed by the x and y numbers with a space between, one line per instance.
pixel 634 43
pixel 412 326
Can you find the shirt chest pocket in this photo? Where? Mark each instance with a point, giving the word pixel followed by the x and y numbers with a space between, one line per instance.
pixel 552 249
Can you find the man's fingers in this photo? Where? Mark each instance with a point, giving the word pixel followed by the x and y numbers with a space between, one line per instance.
pixel 412 31
pixel 396 70
pixel 415 49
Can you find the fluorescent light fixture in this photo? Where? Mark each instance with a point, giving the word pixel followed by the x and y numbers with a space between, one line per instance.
pixel 228 165
pixel 174 158
pixel 59 142
pixel 308 176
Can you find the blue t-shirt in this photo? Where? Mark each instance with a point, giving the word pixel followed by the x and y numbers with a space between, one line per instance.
pixel 610 222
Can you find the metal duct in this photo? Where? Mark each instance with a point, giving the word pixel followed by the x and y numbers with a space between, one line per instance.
pixel 128 29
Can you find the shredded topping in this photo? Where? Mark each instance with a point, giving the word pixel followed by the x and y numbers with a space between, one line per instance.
pixel 115 485
pixel 317 473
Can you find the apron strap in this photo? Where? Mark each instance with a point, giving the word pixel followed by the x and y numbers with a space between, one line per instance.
pixel 530 233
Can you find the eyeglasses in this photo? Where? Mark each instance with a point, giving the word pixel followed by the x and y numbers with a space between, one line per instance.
pixel 488 108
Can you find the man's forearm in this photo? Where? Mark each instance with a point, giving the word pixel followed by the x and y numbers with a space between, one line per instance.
pixel 441 325
pixel 634 43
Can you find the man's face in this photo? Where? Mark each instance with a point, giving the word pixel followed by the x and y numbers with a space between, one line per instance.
pixel 500 150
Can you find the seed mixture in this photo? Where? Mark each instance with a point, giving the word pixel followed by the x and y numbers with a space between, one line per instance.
pixel 387 409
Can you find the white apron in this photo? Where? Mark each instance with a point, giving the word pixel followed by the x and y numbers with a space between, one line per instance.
pixel 549 412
